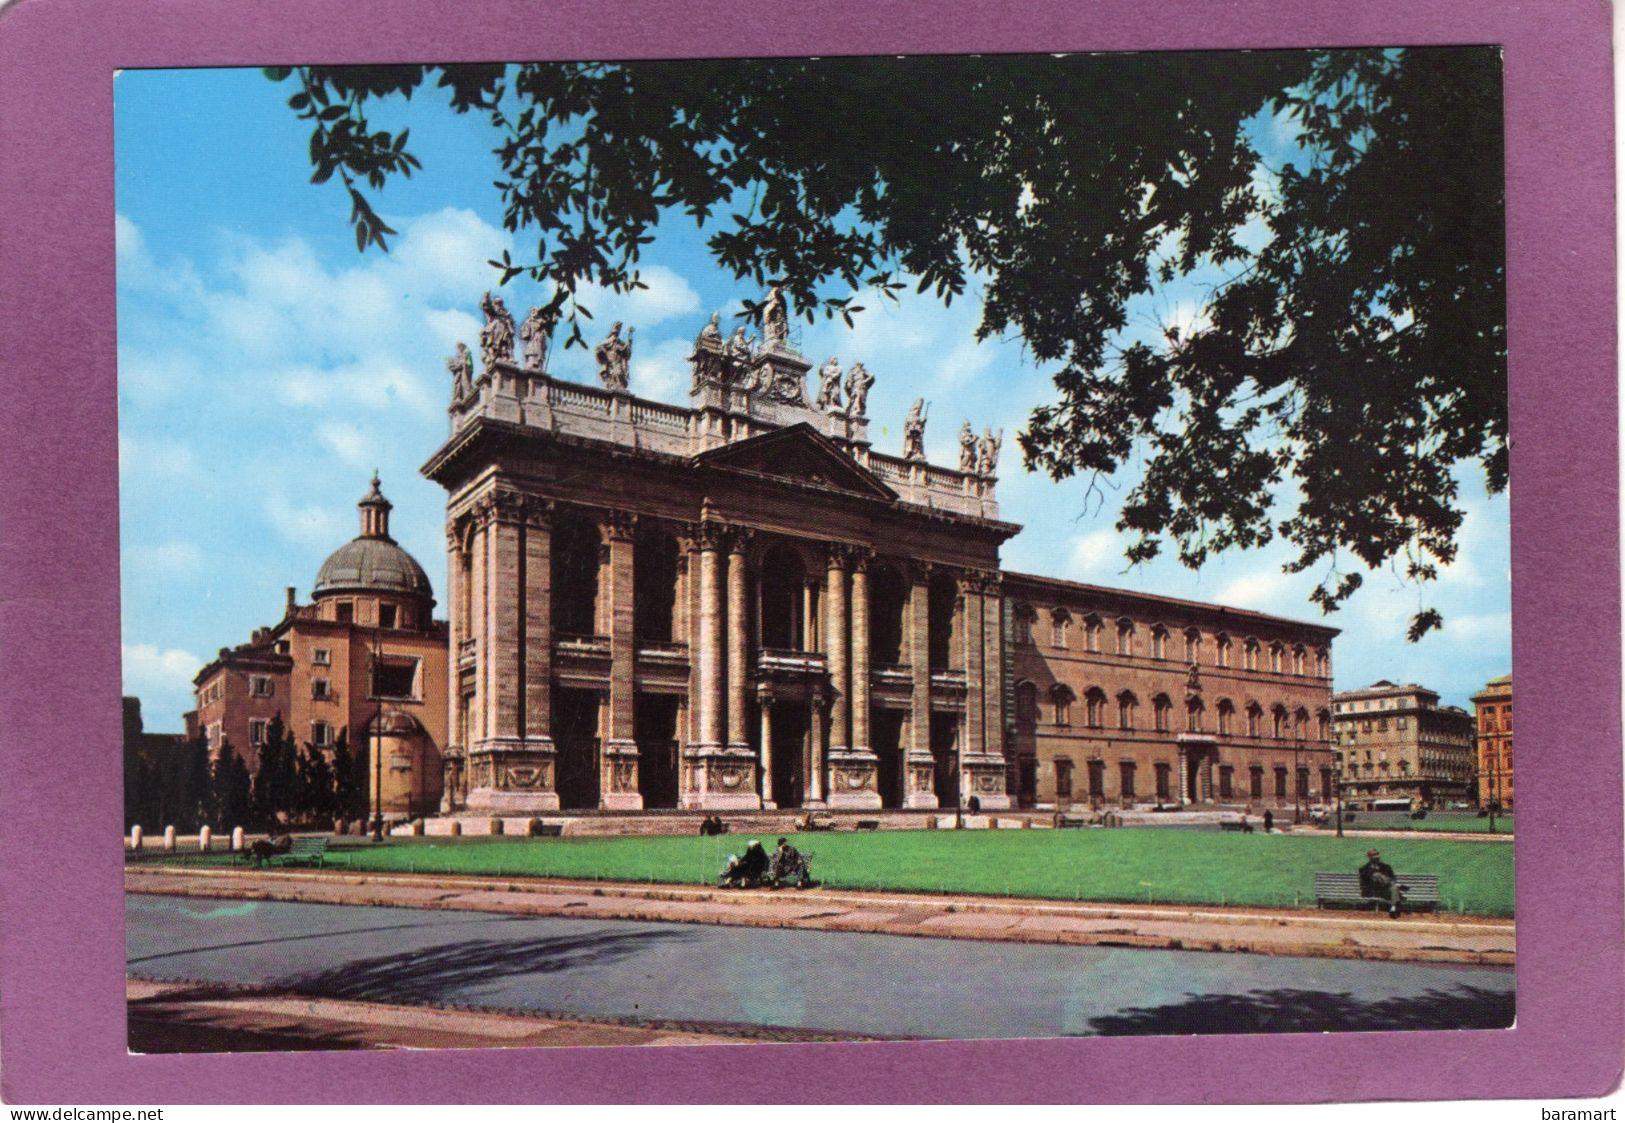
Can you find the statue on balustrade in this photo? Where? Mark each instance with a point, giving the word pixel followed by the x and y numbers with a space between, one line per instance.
pixel 461 366
pixel 614 357
pixel 967 448
pixel 988 458
pixel 775 320
pixel 858 381
pixel 534 331
pixel 496 337
pixel 829 385
pixel 914 431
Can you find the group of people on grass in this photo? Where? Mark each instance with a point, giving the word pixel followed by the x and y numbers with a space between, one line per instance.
pixel 756 867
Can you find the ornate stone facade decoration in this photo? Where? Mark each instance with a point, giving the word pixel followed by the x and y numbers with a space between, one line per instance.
pixel 987 458
pixel 967 448
pixel 461 367
pixel 776 320
pixel 829 385
pixel 914 431
pixel 858 382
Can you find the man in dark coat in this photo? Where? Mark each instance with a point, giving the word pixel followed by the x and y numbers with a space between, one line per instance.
pixel 1377 880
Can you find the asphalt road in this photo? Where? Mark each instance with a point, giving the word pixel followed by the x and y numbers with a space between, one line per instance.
pixel 856 982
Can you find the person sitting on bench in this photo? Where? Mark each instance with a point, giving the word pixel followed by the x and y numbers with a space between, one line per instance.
pixel 1377 880
pixel 748 869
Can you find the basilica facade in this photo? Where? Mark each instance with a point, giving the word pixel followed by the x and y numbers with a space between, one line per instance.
pixel 740 604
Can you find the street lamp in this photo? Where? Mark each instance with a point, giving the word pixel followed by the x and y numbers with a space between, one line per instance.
pixel 1337 789
pixel 1297 780
pixel 377 749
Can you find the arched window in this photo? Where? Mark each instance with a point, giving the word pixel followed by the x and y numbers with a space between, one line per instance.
pixel 1300 723
pixel 1249 654
pixel 1161 707
pixel 1026 702
pixel 1227 713
pixel 1091 632
pixel 1276 652
pixel 1125 636
pixel 1193 645
pixel 1126 705
pixel 1299 659
pixel 1278 716
pixel 1062 697
pixel 1060 623
pixel 1023 618
pixel 1221 649
pixel 1323 662
pixel 1193 715
pixel 1095 703
pixel 1323 725
pixel 1255 720
pixel 1159 642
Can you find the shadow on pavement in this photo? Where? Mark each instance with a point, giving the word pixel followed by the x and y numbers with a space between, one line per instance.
pixel 439 974
pixel 1310 1011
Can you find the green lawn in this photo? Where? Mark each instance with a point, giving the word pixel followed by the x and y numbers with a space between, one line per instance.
pixel 1096 865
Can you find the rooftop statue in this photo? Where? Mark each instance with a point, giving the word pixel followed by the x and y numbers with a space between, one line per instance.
pixel 496 337
pixel 614 357
pixel 461 366
pixel 988 454
pixel 967 448
pixel 709 359
pixel 829 385
pixel 858 381
pixel 914 431
pixel 711 333
pixel 534 331
pixel 775 321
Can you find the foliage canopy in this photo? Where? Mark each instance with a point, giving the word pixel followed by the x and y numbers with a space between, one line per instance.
pixel 1350 357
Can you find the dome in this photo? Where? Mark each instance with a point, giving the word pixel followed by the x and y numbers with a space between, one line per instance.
pixel 372 562
pixel 374 565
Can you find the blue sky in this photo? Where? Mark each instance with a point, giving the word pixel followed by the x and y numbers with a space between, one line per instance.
pixel 266 368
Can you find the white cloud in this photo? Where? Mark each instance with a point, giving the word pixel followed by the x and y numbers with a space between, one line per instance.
pixel 308 524
pixel 667 295
pixel 346 440
pixel 149 670
pixel 1267 590
pixel 661 372
pixel 164 560
pixel 1096 553
pixel 140 457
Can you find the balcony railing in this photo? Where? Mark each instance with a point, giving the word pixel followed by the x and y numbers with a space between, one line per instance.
pixel 663 652
pixel 783 660
pixel 893 674
pixel 567 644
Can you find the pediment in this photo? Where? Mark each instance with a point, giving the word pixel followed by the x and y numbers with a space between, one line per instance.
pixel 799 454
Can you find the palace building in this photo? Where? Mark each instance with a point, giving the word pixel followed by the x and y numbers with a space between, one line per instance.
pixel 1399 743
pixel 366 656
pixel 741 604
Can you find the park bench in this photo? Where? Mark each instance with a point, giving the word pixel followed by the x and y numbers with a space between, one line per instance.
pixel 867 825
pixel 547 830
pixel 1342 890
pixel 1233 825
pixel 309 851
pixel 1071 821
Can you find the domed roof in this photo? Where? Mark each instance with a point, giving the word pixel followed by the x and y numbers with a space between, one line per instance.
pixel 373 565
pixel 372 562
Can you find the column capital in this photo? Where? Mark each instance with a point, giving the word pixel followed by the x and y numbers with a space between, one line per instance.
pixel 618 526
pixel 709 535
pixel 862 558
pixel 765 697
pixel 841 555
pixel 919 570
pixel 739 538
pixel 511 508
pixel 986 581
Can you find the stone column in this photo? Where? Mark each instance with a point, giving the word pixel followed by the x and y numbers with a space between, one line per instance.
pixel 538 711
pixel 970 589
pixel 504 525
pixel 738 669
pixel 836 649
pixel 457 625
pixel 764 701
pixel 919 791
pixel 818 733
pixel 1182 775
pixel 860 651
pixel 618 786
pixel 474 629
pixel 993 664
pixel 811 640
pixel 711 655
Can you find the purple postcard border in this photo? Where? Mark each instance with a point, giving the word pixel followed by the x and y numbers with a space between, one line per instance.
pixel 61 960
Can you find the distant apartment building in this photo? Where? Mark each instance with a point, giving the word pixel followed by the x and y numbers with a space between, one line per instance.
pixel 1494 706
pixel 1397 742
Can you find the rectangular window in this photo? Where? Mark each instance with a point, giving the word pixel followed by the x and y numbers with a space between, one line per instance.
pixel 1162 781
pixel 1226 781
pixel 321 734
pixel 259 686
pixel 1303 783
pixel 1063 780
pixel 345 611
pixel 394 678
pixel 1280 781
pixel 1126 778
pixel 1402 723
pixel 321 689
pixel 256 731
pixel 321 656
pixel 386 616
pixel 1097 778
pixel 214 735
pixel 1255 778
